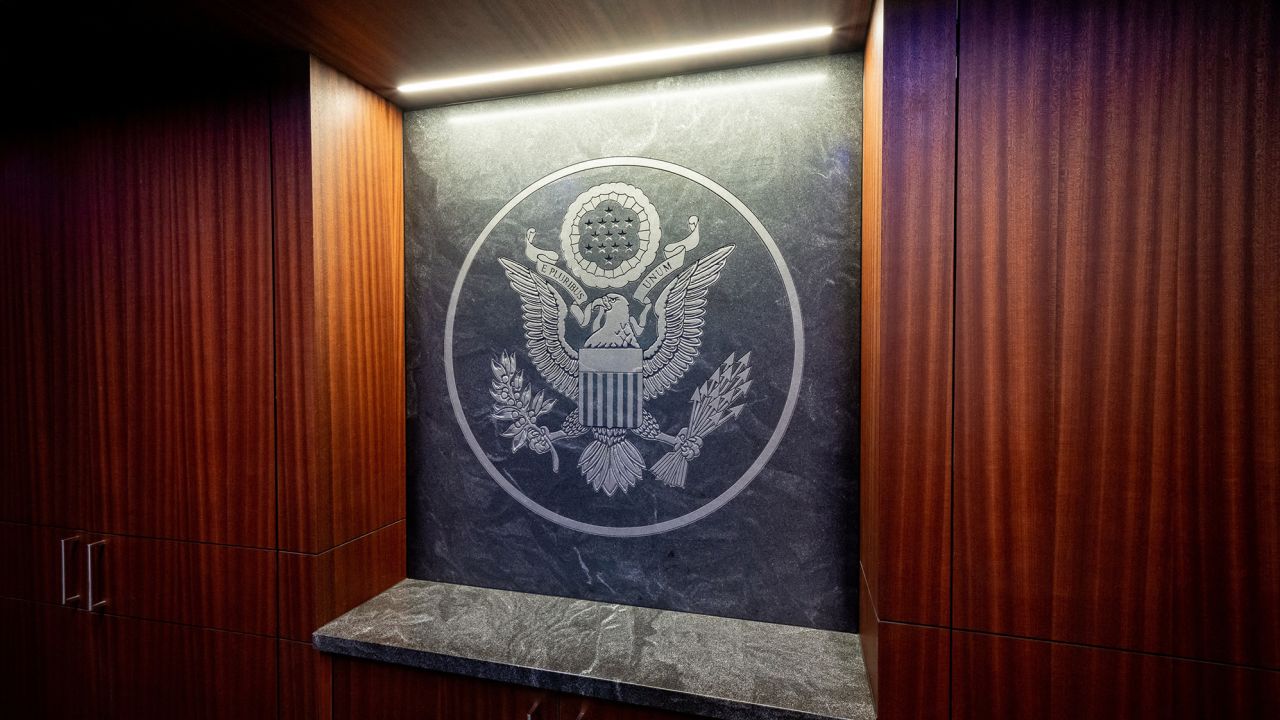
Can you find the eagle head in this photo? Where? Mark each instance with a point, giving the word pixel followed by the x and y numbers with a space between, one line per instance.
pixel 614 323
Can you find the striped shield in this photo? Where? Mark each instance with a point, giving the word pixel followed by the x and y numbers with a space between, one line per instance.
pixel 610 387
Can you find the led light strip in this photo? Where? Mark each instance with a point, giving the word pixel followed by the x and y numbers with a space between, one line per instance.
pixel 611 61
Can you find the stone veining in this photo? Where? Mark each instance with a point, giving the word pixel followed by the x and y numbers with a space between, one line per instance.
pixel 711 666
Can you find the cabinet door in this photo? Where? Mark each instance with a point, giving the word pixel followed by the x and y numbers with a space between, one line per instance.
pixel 163 670
pixel 48 662
pixel 391 692
pixel 162 346
pixel 33 560
pixel 213 586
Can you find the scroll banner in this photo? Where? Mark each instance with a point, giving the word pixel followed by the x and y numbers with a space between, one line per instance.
pixel 673 260
pixel 545 263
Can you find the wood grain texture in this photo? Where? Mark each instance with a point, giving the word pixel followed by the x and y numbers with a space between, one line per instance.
pixel 306 682
pixel 364 689
pixel 1003 677
pixel 999 677
pixel 1066 295
pixel 384 44
pixel 913 667
pixel 907 245
pixel 907 414
pixel 302 418
pixel 213 586
pixel 872 239
pixel 340 308
pixel 32 562
pixel 136 352
pixel 1209 691
pixel 49 662
pixel 1118 328
pixel 25 342
pixel 358 202
pixel 1226 386
pixel 316 588
pixel 869 637
pixel 161 670
pixel 158 384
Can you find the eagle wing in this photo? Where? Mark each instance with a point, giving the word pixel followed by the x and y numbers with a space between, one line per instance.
pixel 679 309
pixel 544 313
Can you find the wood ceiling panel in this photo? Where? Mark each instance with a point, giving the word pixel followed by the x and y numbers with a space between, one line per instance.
pixel 384 43
pixel 126 54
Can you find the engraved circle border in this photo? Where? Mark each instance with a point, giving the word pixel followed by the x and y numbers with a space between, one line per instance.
pixel 797 363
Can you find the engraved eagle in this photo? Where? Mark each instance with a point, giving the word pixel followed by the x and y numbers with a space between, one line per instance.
pixel 611 461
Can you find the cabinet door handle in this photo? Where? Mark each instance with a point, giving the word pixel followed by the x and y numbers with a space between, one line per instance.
pixel 533 713
pixel 68 599
pixel 94 604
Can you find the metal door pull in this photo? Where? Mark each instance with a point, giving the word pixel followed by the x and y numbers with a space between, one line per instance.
pixel 93 604
pixel 67 599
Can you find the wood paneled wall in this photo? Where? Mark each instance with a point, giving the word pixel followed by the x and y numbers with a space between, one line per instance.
pixel 137 357
pixel 872 237
pixel 907 296
pixel 1118 327
pixel 339 253
pixel 1111 530
pixel 1065 329
pixel 201 376
pixel 907 289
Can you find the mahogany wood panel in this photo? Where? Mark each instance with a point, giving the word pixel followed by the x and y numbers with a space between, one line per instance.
pixel 872 238
pixel 160 291
pixel 306 682
pixel 1118 327
pixel 1002 677
pixel 162 670
pixel 1209 691
pixel 340 308
pixel 358 205
pixel 869 633
pixel 908 321
pixel 1226 466
pixel 49 663
pixel 213 586
pixel 315 589
pixel 25 342
pixel 384 44
pixel 1065 301
pixel 575 708
pixel 302 418
pixel 306 592
pixel 999 677
pixel 31 558
pixel 913 671
pixel 390 692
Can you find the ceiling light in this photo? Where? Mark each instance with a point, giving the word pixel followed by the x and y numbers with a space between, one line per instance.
pixel 611 61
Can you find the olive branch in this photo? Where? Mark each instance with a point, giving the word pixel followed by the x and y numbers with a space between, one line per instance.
pixel 515 403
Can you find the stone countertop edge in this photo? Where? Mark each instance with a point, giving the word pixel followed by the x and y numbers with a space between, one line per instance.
pixel 382 630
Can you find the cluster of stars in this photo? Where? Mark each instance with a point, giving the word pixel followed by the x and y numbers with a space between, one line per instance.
pixel 609 235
